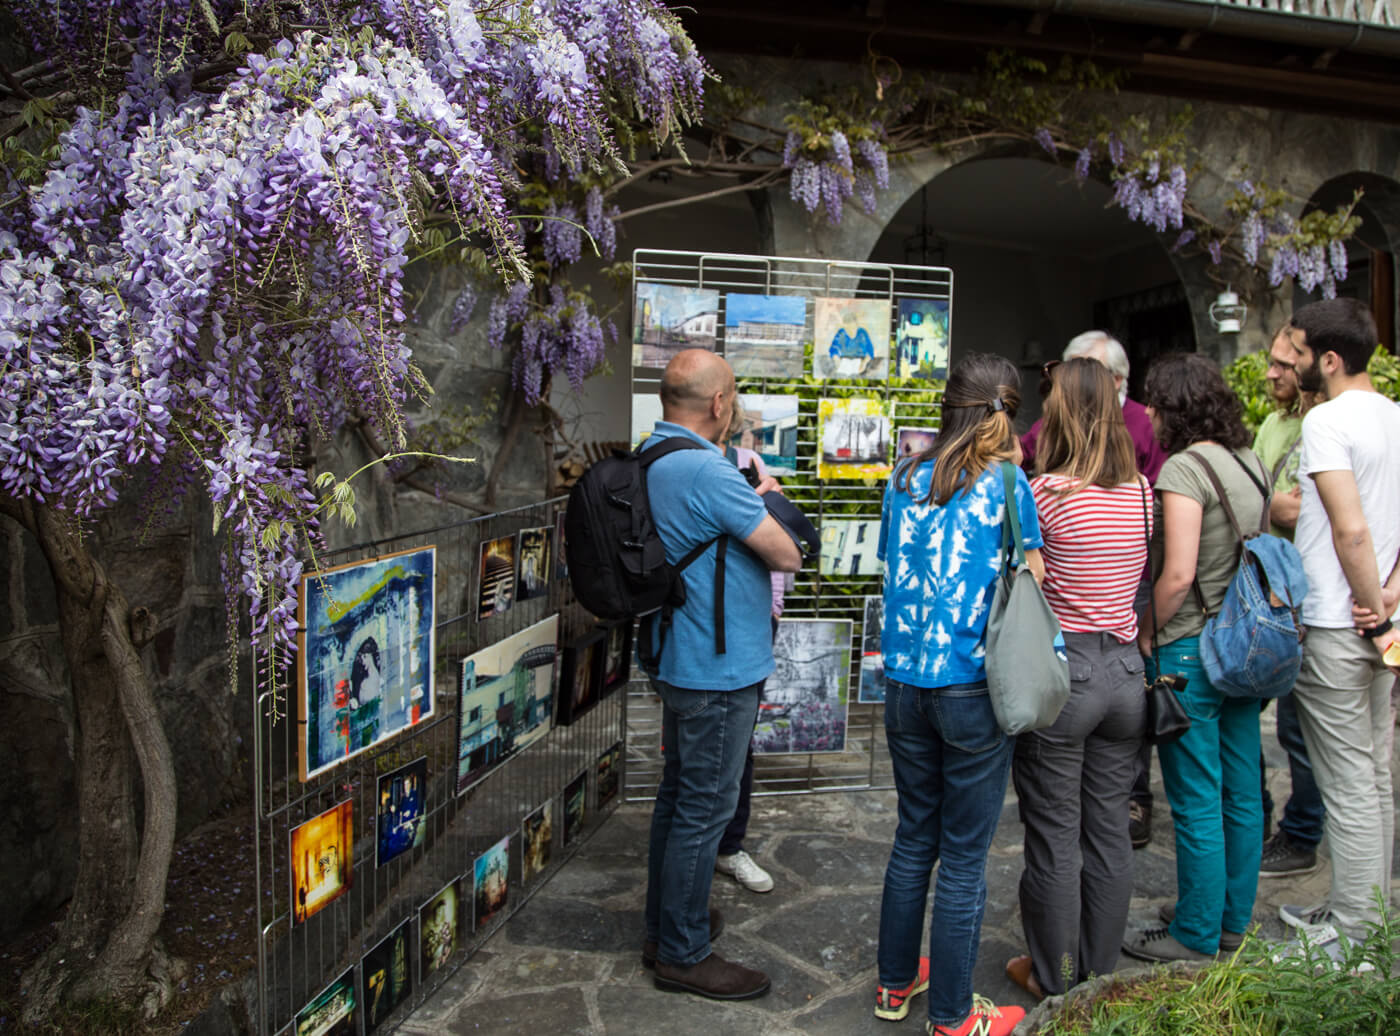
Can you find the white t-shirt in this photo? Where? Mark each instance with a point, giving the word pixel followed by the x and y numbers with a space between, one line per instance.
pixel 1357 432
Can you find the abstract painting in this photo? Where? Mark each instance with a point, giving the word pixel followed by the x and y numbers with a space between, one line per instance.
pixel 575 806
pixel 921 339
pixel 581 676
pixel 491 884
pixel 608 774
pixel 617 656
pixel 849 547
pixel 909 441
pixel 437 929
pixel 323 866
pixel 332 1013
pixel 364 656
pixel 646 411
pixel 402 818
pixel 872 660
pixel 505 699
pixel 533 555
pixel 537 841
pixel 805 700
pixel 763 335
pixel 386 974
pixel 851 339
pixel 769 429
pixel 496 577
pixel 669 318
pixel 853 438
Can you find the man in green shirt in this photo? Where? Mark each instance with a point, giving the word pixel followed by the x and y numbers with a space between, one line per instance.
pixel 1293 847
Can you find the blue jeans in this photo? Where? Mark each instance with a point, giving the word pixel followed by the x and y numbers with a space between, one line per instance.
pixel 707 734
pixel 1211 777
pixel 1303 813
pixel 951 762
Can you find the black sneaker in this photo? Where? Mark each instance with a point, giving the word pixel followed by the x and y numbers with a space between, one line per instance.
pixel 1282 858
pixel 1139 823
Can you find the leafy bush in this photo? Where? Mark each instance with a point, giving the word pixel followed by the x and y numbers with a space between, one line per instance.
pixel 1246 378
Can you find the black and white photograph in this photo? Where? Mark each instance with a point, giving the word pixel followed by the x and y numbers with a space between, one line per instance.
pixel 872 659
pixel 805 700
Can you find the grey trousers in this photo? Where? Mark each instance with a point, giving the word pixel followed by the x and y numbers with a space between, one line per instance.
pixel 1073 781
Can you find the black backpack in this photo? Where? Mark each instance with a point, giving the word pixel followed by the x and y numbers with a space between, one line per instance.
pixel 617 562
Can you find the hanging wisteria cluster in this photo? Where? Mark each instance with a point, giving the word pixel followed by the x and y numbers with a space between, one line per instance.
pixel 213 277
pixel 825 172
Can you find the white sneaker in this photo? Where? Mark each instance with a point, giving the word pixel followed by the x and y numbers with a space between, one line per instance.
pixel 741 867
pixel 1327 945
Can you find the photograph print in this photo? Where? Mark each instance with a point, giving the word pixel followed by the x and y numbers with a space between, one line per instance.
pixel 921 339
pixel 537 843
pixel 763 335
pixel 402 816
pixel 872 659
pixel 581 676
pixel 617 656
pixel 853 439
pixel 911 441
pixel 386 976
pixel 506 699
pixel 533 556
pixel 437 929
pixel 669 318
pixel 805 700
pixel 332 1013
pixel 575 806
pixel 491 882
pixel 851 339
pixel 323 866
pixel 849 547
pixel 769 428
pixel 561 563
pixel 608 774
pixel 496 577
pixel 364 655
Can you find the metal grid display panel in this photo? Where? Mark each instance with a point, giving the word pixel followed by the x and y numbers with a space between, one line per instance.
pixel 865 762
pixel 297 961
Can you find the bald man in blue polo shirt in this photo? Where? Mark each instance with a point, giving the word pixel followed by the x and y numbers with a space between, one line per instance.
pixel 709 700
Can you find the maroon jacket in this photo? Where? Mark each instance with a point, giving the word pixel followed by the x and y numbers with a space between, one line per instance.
pixel 1150 457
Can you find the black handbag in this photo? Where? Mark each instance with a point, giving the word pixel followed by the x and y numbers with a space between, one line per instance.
pixel 1167 719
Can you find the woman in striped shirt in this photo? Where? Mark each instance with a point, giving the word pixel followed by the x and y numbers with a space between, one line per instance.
pixel 1073 778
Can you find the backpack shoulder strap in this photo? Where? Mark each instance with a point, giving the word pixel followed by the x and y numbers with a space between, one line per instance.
pixel 649 455
pixel 1220 492
pixel 1266 488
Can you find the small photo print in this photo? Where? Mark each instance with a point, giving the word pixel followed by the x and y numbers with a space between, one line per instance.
pixel 669 318
pixel 437 927
pixel 561 563
pixel 402 816
pixel 537 839
pixel 617 656
pixel 763 334
pixel 532 560
pixel 921 340
pixel 608 774
pixel 912 441
pixel 496 577
pixel 322 863
pixel 332 1013
pixel 853 439
pixel 872 660
pixel 849 547
pixel 491 884
pixel 580 685
pixel 575 806
pixel 387 975
pixel 851 339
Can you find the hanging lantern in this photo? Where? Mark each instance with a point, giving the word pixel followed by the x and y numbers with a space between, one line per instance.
pixel 1227 313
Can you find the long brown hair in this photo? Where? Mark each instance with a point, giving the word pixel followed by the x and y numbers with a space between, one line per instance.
pixel 975 430
pixel 1083 435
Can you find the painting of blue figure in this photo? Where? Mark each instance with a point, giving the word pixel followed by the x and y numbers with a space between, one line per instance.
pixel 805 701
pixel 922 339
pixel 364 656
pixel 401 817
pixel 669 318
pixel 872 659
pixel 763 334
pixel 851 338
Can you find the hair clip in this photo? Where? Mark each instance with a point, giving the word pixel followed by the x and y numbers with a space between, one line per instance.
pixel 997 405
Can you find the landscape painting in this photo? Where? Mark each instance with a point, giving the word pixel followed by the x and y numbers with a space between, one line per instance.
pixel 496 577
pixel 769 428
pixel 505 699
pixel 853 439
pixel 533 555
pixel 491 884
pixel 763 334
pixel 364 655
pixel 668 318
pixel 805 701
pixel 872 659
pixel 386 976
pixel 537 840
pixel 921 339
pixel 402 818
pixel 575 806
pixel 849 547
pixel 851 339
pixel 322 854
pixel 332 1013
pixel 437 929
pixel 912 441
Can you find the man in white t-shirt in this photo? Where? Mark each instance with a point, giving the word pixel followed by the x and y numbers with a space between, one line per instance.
pixel 1348 533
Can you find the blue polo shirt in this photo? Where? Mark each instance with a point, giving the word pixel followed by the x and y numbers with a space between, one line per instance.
pixel 695 496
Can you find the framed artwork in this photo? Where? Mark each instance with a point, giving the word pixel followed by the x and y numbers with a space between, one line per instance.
pixel 853 439
pixel 386 976
pixel 505 700
pixel 402 813
pixel 872 659
pixel 911 441
pixel 805 701
pixel 438 930
pixel 763 334
pixel 533 556
pixel 581 676
pixel 646 411
pixel 668 318
pixel 609 772
pixel 575 806
pixel 849 547
pixel 537 843
pixel 332 1012
pixel 364 655
pixel 496 577
pixel 617 656
pixel 323 866
pixel 770 430
pixel 491 884
pixel 561 559
pixel 921 339
pixel 851 339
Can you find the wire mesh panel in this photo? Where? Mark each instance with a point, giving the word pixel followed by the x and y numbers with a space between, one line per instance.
pixel 845 508
pixel 384 870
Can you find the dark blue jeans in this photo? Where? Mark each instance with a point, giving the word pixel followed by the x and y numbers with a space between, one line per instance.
pixel 705 735
pixel 1304 812
pixel 951 762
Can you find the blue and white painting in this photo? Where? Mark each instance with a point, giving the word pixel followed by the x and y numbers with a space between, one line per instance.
pixel 669 318
pixel 805 701
pixel 763 334
pixel 872 659
pixel 365 656
pixel 921 340
pixel 769 428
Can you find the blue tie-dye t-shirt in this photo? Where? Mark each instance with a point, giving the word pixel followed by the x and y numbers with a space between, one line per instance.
pixel 941 565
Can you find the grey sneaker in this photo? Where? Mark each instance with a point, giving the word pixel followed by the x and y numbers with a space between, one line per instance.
pixel 1229 941
pixel 1305 916
pixel 1283 857
pixel 1158 944
pixel 741 867
pixel 1327 946
pixel 1139 823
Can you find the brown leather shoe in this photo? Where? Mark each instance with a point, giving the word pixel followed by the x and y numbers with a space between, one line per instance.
pixel 1018 970
pixel 714 977
pixel 649 947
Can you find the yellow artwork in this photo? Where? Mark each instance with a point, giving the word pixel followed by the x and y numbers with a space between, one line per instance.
pixel 322 867
pixel 853 437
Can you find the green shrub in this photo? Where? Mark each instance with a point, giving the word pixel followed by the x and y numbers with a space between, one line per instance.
pixel 1246 378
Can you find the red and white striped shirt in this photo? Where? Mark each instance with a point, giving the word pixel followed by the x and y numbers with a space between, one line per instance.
pixel 1095 553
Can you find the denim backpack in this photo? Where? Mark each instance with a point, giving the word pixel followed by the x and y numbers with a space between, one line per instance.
pixel 1252 647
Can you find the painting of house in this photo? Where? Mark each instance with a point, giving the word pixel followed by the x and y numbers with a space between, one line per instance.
pixel 769 428
pixel 921 339
pixel 668 318
pixel 763 334
pixel 848 547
